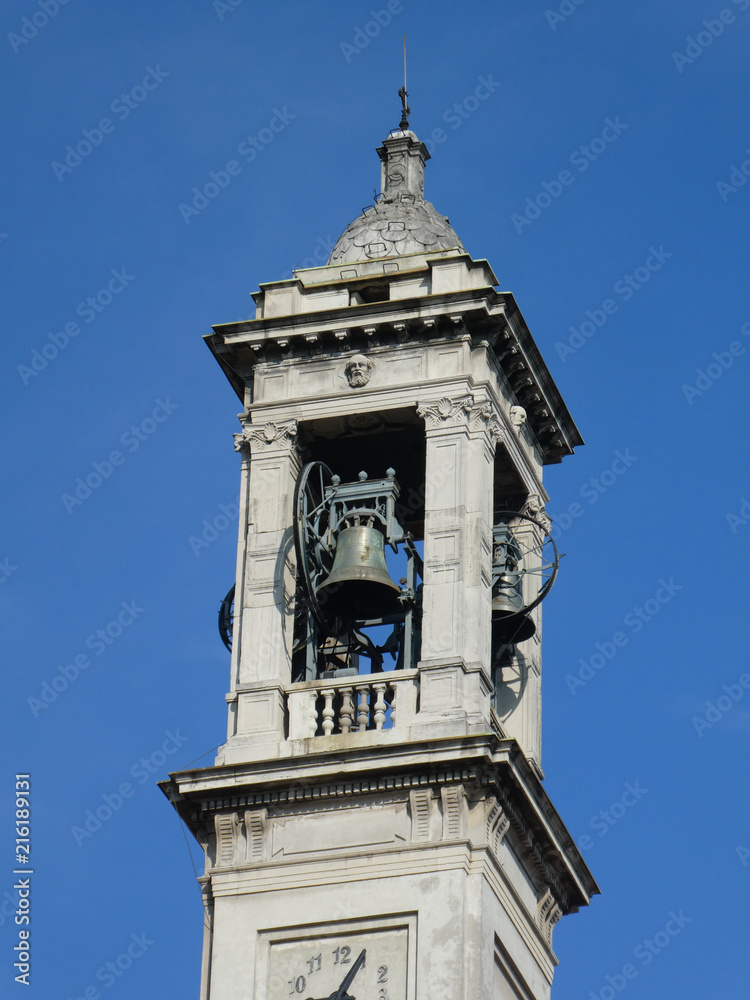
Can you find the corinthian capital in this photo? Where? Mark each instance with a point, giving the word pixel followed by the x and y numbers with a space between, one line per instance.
pixel 446 411
pixel 265 435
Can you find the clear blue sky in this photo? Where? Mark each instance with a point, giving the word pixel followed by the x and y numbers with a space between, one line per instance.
pixel 588 175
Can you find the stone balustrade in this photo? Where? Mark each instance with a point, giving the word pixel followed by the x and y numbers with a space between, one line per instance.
pixel 357 704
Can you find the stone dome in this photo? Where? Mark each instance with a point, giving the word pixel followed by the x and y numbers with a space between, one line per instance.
pixel 392 228
pixel 401 221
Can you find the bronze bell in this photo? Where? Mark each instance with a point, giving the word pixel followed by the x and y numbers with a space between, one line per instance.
pixel 509 623
pixel 358 585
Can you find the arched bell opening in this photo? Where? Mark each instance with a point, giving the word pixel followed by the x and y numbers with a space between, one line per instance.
pixel 358 546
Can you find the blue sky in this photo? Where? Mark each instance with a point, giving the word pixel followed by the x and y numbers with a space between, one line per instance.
pixel 602 177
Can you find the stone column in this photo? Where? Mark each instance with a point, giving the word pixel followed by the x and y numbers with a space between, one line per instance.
pixel 455 677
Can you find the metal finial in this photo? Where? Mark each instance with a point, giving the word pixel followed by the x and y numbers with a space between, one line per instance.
pixel 405 109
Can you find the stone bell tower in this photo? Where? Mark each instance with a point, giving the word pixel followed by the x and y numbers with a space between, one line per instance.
pixel 375 826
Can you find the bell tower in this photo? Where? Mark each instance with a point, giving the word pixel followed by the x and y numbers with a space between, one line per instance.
pixel 375 826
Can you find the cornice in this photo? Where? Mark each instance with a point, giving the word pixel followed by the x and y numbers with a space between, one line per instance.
pixel 480 762
pixel 488 317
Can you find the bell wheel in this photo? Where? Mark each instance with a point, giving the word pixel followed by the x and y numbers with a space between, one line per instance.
pixel 534 550
pixel 226 619
pixel 312 542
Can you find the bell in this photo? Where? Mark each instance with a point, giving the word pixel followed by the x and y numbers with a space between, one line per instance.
pixel 358 585
pixel 509 624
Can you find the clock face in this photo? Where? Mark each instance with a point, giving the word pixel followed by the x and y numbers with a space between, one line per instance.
pixel 315 966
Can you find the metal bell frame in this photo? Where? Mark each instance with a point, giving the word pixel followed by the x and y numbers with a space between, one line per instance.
pixel 516 563
pixel 323 508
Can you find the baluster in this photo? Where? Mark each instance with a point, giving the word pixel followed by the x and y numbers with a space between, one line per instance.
pixel 380 705
pixel 346 715
pixel 394 696
pixel 363 709
pixel 328 711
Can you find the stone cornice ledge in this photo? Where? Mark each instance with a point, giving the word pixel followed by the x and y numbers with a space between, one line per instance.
pixel 353 771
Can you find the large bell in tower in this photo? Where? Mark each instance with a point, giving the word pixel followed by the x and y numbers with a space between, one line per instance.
pixel 358 585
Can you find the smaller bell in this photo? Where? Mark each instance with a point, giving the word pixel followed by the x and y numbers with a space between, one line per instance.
pixel 509 623
pixel 358 585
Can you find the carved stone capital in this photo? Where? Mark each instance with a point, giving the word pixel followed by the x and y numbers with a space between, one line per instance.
pixel 241 443
pixel 265 435
pixel 534 507
pixel 446 411
pixel 483 415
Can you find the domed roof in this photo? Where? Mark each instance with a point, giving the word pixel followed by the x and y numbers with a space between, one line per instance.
pixel 391 228
pixel 401 222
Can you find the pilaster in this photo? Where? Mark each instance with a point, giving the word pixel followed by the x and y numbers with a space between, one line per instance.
pixel 461 432
pixel 264 616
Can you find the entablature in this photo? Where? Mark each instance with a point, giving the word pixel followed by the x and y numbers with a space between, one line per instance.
pixel 481 766
pixel 480 315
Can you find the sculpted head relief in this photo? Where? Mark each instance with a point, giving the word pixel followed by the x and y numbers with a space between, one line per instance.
pixel 357 371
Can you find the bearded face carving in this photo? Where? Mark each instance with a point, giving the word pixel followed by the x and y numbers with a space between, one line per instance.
pixel 357 371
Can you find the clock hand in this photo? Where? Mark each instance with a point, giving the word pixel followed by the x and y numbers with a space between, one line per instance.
pixel 348 979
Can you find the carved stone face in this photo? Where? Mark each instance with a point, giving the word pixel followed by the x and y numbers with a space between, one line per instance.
pixel 517 416
pixel 357 371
